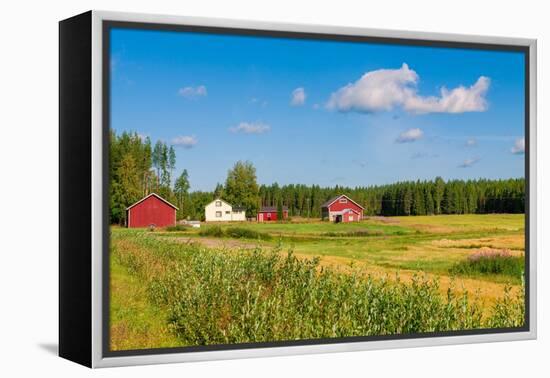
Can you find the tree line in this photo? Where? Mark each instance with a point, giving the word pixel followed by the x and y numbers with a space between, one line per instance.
pixel 428 197
pixel 138 168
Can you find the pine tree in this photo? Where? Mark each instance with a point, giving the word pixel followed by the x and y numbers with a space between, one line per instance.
pixel 218 191
pixel 279 209
pixel 157 161
pixel 430 207
pixel 418 206
pixel 171 159
pixel 438 192
pixel 407 201
pixel 181 190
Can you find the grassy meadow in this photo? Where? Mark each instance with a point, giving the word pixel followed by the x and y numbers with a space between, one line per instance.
pixel 257 282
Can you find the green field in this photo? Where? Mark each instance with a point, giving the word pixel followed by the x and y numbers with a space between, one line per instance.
pixel 207 285
pixel 431 244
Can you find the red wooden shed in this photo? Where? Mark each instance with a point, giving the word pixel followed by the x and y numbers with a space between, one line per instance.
pixel 269 213
pixel 152 210
pixel 342 209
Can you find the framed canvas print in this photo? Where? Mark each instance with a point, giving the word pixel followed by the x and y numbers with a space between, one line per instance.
pixel 235 189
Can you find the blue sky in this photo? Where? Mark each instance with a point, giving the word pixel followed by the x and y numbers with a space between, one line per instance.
pixel 320 112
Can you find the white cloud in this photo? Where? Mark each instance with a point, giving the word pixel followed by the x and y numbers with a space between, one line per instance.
pixel 298 97
pixel 472 142
pixel 457 100
pixel 519 147
pixel 469 163
pixel 193 92
pixel 410 135
pixel 386 89
pixel 250 128
pixel 185 141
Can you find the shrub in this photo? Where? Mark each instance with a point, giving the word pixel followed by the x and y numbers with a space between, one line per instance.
pixel 491 261
pixel 213 231
pixel 246 233
pixel 234 232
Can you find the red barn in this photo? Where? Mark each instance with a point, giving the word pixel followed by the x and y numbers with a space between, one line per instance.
pixel 269 213
pixel 342 209
pixel 152 210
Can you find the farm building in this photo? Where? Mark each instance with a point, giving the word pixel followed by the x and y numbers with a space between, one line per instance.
pixel 221 211
pixel 151 211
pixel 342 209
pixel 269 213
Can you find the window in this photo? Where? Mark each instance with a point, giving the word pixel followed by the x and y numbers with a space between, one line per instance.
pixel 218 203
pixel 351 217
pixel 218 214
pixel 343 200
pixel 228 212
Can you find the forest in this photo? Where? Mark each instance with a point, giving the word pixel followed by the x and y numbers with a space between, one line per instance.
pixel 138 168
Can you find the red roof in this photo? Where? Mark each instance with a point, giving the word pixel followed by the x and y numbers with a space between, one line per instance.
pixel 155 195
pixel 271 209
pixel 333 199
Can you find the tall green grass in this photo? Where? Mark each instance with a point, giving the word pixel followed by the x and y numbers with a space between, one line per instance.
pixel 234 232
pixel 492 262
pixel 213 297
pixel 212 231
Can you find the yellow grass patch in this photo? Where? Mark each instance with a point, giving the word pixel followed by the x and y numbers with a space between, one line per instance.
pixel 512 243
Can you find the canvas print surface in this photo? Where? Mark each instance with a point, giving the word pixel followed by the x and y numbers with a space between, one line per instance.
pixel 271 189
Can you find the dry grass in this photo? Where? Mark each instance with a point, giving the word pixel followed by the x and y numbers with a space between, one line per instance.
pixel 514 243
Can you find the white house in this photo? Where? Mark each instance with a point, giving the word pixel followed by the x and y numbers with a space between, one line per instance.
pixel 221 211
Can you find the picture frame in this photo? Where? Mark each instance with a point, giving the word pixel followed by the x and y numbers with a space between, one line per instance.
pixel 84 110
